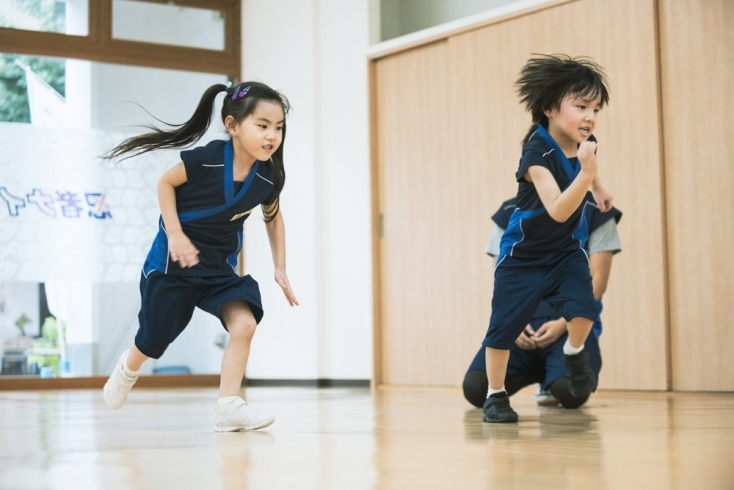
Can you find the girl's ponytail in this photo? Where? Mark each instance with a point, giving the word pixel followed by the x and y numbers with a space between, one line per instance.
pixel 183 135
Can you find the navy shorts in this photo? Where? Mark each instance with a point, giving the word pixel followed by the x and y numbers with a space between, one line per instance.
pixel 548 362
pixel 562 279
pixel 168 302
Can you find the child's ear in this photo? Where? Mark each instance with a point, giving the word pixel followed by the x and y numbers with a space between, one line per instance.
pixel 229 124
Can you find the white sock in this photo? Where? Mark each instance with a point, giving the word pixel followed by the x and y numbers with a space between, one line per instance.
pixel 569 350
pixel 129 373
pixel 491 391
pixel 224 402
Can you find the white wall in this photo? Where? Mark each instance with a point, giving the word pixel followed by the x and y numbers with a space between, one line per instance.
pixel 317 58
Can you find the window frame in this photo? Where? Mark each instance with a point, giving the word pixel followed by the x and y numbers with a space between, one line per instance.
pixel 99 45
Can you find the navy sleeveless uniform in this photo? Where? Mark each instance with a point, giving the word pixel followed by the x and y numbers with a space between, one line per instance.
pixel 212 208
pixel 540 258
pixel 548 362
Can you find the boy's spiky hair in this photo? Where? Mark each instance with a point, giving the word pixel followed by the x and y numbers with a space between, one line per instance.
pixel 546 80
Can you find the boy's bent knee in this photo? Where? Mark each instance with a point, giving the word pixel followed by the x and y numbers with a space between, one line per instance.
pixel 475 387
pixel 560 389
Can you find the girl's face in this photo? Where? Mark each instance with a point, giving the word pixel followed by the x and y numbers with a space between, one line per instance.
pixel 258 135
pixel 574 121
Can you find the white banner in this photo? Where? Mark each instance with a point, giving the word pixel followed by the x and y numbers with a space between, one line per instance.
pixel 47 106
pixel 67 215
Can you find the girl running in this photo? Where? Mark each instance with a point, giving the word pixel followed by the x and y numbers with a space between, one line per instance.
pixel 204 201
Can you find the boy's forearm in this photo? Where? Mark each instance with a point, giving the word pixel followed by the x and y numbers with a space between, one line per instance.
pixel 569 200
pixel 596 183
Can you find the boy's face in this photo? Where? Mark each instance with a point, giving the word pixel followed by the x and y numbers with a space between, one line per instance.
pixel 575 119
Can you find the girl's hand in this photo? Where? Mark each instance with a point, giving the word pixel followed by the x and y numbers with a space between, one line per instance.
pixel 525 340
pixel 182 250
pixel 549 332
pixel 282 281
pixel 587 157
pixel 603 198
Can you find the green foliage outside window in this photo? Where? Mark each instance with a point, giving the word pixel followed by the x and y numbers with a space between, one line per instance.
pixel 45 15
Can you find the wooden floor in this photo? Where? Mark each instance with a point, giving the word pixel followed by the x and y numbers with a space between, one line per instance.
pixel 352 439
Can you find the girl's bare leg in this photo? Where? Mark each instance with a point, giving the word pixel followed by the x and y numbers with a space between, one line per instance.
pixel 135 358
pixel 241 325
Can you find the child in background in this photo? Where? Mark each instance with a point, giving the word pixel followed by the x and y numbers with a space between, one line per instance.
pixel 541 252
pixel 204 201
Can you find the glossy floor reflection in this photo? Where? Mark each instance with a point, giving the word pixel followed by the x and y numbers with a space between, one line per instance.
pixel 352 439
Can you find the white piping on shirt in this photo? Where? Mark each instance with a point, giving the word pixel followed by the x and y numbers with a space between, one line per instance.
pixel 512 250
pixel 266 180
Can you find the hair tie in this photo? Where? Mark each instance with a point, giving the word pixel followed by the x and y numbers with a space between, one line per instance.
pixel 228 84
pixel 240 92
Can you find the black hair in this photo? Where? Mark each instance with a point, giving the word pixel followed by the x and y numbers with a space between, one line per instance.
pixel 239 102
pixel 546 80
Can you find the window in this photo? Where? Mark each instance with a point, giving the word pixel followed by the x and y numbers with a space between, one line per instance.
pixel 206 51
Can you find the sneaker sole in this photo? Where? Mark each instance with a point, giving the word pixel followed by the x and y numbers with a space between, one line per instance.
pixel 510 420
pixel 238 428
pixel 110 404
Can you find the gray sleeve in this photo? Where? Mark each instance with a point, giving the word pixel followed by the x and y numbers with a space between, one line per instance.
pixel 493 247
pixel 605 238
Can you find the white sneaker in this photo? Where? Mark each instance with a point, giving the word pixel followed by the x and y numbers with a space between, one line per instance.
pixel 545 398
pixel 118 386
pixel 240 416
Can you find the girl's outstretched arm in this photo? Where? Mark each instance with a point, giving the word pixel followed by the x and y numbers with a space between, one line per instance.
pixel 276 235
pixel 180 247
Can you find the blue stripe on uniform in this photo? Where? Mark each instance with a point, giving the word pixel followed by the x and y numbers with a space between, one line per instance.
pixel 561 156
pixel 232 258
pixel 158 254
pixel 230 198
pixel 581 233
pixel 514 234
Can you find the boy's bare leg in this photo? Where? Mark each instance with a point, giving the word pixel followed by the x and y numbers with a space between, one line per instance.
pixel 578 329
pixel 496 407
pixel 497 360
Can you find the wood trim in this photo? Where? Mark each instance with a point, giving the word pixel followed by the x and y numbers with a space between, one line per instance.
pixel 377 373
pixel 15 383
pixel 315 383
pixel 100 46
pixel 202 4
pixel 449 29
pixel 663 198
pixel 22 383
